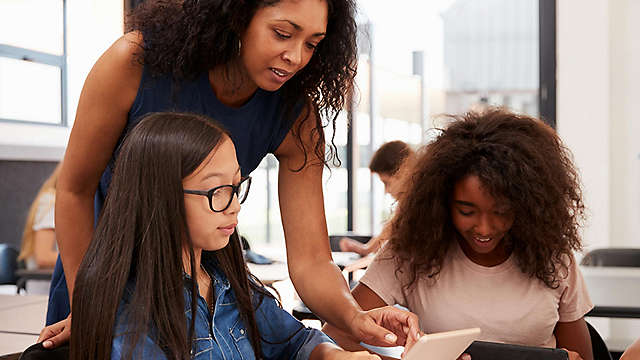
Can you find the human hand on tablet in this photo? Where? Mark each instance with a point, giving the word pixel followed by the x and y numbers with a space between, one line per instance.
pixel 387 326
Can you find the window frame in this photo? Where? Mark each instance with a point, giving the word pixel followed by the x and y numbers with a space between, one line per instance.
pixel 40 57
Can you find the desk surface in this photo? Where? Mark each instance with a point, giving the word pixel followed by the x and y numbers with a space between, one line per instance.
pixel 15 343
pixel 13 301
pixel 24 319
pixel 278 270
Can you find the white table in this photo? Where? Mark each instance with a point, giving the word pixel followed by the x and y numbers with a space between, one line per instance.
pixel 11 301
pixel 21 319
pixel 15 343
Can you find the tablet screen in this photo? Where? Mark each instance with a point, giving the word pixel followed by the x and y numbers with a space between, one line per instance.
pixel 443 346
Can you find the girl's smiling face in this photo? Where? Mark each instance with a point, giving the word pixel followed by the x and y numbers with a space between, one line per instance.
pixel 481 220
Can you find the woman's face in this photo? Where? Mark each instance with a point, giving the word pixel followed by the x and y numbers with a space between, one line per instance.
pixel 481 221
pixel 211 230
pixel 281 39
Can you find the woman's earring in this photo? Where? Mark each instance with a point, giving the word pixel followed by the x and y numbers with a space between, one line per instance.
pixel 239 46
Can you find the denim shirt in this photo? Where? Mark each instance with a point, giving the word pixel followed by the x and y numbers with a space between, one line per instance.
pixel 225 335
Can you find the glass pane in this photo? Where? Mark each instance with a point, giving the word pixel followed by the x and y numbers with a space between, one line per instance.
pixel 475 52
pixel 29 91
pixel 252 219
pixel 491 55
pixel 32 24
pixel 335 199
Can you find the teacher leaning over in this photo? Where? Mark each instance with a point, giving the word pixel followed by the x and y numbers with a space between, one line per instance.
pixel 270 72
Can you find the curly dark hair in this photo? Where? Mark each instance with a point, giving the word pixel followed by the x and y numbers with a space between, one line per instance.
pixel 518 159
pixel 187 37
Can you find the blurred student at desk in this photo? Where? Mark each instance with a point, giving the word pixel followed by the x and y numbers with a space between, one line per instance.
pixel 39 249
pixel 389 162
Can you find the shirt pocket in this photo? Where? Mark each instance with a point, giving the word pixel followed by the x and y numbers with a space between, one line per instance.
pixel 202 348
pixel 241 340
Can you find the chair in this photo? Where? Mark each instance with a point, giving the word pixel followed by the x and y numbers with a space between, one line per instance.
pixel 618 257
pixel 8 264
pixel 610 257
pixel 598 346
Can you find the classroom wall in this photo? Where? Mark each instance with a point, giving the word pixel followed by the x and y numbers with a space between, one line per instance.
pixel 624 59
pixel 598 73
pixel 598 83
pixel 20 182
pixel 583 110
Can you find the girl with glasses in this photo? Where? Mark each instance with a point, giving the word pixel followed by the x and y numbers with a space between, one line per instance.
pixel 274 73
pixel 164 277
pixel 484 235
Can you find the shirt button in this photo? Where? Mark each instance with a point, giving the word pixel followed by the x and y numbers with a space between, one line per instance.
pixel 242 331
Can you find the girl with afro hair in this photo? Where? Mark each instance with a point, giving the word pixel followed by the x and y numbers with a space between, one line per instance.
pixel 484 235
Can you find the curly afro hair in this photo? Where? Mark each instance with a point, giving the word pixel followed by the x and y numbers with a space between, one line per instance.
pixel 187 37
pixel 517 158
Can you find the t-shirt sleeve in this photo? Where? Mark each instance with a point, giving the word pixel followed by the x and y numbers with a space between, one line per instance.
pixel 381 278
pixel 44 218
pixel 574 300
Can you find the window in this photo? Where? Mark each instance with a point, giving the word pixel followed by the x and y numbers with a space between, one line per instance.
pixel 33 63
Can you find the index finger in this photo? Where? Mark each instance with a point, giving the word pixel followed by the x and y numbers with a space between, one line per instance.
pixel 46 333
pixel 410 320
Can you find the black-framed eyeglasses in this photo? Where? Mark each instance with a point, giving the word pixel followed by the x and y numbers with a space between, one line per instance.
pixel 220 197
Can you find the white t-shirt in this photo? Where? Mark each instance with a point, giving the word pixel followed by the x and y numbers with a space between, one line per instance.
pixel 505 303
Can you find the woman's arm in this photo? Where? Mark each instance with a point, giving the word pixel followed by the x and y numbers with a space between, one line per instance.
pixel 367 299
pixel 316 278
pixel 107 96
pixel 574 336
pixel 44 252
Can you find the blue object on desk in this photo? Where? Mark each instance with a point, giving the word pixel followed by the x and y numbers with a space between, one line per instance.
pixel 255 258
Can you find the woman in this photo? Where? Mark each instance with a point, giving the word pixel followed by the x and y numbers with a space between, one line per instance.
pixel 267 70
pixel 484 237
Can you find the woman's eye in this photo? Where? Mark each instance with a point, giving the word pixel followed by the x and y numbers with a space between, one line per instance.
pixel 312 46
pixel 282 35
pixel 465 213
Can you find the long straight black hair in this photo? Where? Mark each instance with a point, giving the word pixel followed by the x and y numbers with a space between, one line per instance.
pixel 140 237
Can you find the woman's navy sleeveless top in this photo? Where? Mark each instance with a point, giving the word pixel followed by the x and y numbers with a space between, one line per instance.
pixel 257 128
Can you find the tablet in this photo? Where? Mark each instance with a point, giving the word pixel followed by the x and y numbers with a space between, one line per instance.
pixel 483 350
pixel 442 346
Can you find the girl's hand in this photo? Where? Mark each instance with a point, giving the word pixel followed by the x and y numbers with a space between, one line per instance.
pixel 56 334
pixel 386 326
